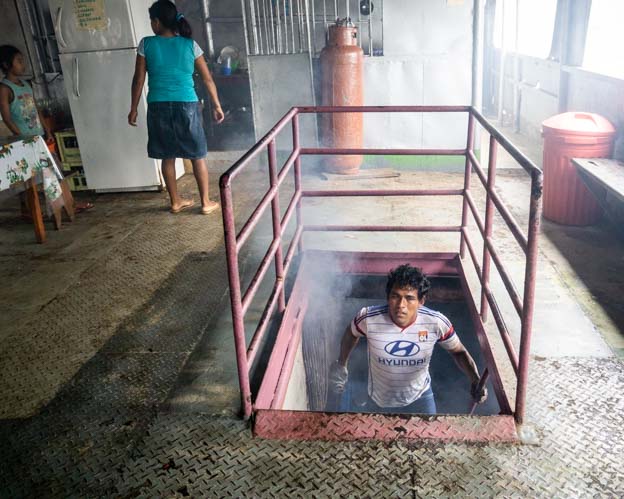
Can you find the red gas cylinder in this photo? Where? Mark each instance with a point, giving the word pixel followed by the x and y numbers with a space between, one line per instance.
pixel 342 63
pixel 566 136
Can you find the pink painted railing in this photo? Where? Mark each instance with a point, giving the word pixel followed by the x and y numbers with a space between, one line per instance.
pixel 528 243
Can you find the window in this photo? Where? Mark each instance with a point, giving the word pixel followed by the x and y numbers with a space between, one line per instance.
pixel 536 21
pixel 603 48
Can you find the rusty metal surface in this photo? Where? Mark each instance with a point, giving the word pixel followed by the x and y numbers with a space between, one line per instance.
pixel 136 451
pixel 299 425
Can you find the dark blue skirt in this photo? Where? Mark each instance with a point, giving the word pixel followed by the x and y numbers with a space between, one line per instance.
pixel 175 130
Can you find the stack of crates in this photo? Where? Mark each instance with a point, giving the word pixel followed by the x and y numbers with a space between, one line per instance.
pixel 71 160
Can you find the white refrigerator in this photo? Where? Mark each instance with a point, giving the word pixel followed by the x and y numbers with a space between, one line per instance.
pixel 97 41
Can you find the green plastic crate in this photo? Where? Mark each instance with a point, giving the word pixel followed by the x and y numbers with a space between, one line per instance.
pixel 68 147
pixel 78 181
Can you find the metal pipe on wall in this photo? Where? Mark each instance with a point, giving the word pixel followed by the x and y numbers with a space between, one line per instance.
pixel 254 26
pixel 359 27
pixel 286 51
pixel 34 55
pixel 207 25
pixel 477 55
pixel 267 28
pixel 501 66
pixel 292 25
pixel 370 34
pixel 516 83
pixel 310 54
pixel 272 25
pixel 324 15
pixel 278 25
pixel 381 25
pixel 43 34
pixel 258 23
pixel 300 24
pixel 313 27
pixel 267 37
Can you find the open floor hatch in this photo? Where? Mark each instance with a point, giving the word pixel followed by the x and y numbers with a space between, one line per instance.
pixel 326 288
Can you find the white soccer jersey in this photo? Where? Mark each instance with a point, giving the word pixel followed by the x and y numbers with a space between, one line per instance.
pixel 398 358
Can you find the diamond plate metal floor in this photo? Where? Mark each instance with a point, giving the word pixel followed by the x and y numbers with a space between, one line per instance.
pixel 75 449
pixel 93 391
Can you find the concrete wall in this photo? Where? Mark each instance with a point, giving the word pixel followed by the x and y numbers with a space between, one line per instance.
pixel 428 27
pixel 597 94
pixel 279 82
pixel 546 89
pixel 539 93
pixel 11 30
pixel 539 90
pixel 427 60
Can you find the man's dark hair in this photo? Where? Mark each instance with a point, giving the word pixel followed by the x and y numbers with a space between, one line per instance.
pixel 7 54
pixel 406 276
pixel 167 13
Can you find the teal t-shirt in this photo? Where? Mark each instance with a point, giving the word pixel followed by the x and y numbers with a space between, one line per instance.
pixel 170 66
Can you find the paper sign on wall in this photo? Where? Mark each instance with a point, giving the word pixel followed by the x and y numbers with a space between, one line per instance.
pixel 90 15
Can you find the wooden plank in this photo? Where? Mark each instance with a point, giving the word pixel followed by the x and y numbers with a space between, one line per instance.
pixel 35 210
pixel 364 174
pixel 68 200
pixel 608 173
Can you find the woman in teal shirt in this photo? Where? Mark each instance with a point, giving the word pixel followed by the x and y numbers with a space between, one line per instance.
pixel 174 120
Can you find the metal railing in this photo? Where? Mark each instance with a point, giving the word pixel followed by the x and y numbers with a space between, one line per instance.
pixel 240 301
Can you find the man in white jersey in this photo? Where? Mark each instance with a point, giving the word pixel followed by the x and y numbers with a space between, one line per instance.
pixel 400 338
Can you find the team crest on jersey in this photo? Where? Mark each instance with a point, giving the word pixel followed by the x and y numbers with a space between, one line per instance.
pixel 423 335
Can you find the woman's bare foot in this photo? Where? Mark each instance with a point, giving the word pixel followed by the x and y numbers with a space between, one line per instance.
pixel 209 208
pixel 183 205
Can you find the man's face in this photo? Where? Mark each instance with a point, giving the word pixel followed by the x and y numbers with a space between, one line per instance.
pixel 403 305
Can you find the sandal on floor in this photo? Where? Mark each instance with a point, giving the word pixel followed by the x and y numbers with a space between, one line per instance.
pixel 185 205
pixel 80 207
pixel 207 210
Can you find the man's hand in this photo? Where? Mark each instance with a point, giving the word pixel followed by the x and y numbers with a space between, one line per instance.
pixel 338 376
pixel 479 396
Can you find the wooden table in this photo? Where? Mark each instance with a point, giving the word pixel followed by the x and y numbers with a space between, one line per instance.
pixel 27 163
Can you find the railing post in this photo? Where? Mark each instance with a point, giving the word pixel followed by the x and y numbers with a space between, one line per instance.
pixel 468 169
pixel 535 213
pixel 489 216
pixel 296 145
pixel 277 226
pixel 240 343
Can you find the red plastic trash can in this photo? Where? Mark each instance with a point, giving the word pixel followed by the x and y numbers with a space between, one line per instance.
pixel 572 135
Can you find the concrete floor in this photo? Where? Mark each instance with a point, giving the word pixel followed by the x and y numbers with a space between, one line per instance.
pixel 127 309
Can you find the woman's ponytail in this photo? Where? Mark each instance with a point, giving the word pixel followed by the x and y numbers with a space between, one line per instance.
pixel 168 15
pixel 184 28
